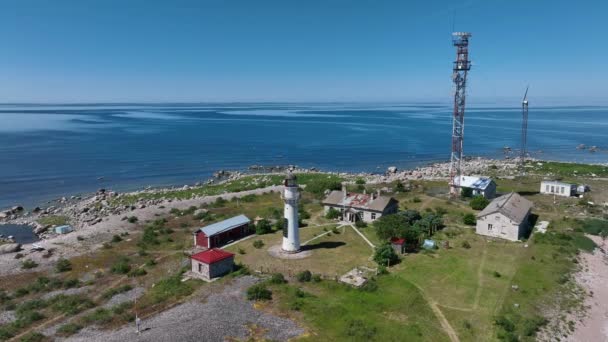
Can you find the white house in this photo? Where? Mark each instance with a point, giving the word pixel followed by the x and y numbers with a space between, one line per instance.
pixel 506 217
pixel 479 185
pixel 558 188
pixel 364 207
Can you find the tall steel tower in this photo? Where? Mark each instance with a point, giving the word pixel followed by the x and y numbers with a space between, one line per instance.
pixel 524 133
pixel 459 76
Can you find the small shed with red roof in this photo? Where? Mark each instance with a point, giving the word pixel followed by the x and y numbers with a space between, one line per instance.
pixel 398 245
pixel 212 263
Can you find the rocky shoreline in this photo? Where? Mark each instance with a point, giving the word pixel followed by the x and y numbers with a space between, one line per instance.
pixel 88 211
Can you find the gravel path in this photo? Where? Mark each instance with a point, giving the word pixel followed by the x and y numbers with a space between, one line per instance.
pixel 67 292
pixel 7 317
pixel 128 296
pixel 223 315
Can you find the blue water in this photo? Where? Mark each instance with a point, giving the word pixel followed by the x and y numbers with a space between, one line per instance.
pixel 22 234
pixel 51 151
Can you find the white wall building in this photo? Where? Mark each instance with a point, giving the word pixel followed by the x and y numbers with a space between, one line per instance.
pixel 364 207
pixel 479 185
pixel 506 217
pixel 557 188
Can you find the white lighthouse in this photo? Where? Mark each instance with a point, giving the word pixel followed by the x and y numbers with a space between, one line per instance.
pixel 291 235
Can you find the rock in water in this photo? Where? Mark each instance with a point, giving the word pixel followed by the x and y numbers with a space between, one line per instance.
pixel 392 169
pixel 10 248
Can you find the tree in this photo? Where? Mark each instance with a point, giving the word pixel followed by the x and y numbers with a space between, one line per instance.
pixel 332 214
pixel 479 202
pixel 263 227
pixel 389 226
pixel 304 276
pixel 302 213
pixel 360 181
pixel 469 219
pixel 412 237
pixel 411 215
pixel 430 223
pixel 385 255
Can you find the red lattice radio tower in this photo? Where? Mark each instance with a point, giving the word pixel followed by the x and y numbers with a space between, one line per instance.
pixel 461 66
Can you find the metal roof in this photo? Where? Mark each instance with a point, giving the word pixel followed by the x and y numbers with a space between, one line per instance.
pixel 475 182
pixel 555 182
pixel 358 201
pixel 222 226
pixel 512 205
pixel 211 256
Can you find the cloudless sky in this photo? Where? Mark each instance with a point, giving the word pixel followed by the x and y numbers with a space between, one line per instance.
pixel 309 50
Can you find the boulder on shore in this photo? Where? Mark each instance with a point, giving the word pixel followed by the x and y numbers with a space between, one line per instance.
pixel 10 248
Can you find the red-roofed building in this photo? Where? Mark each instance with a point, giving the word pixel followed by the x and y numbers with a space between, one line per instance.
pixel 212 263
pixel 398 245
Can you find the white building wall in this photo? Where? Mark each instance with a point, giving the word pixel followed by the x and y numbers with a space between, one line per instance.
pixel 204 273
pixel 558 189
pixel 499 226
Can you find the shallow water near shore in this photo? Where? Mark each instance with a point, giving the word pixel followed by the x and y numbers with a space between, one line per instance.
pixel 22 233
pixel 51 151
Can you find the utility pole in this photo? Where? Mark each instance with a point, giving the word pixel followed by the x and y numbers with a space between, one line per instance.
pixel 459 76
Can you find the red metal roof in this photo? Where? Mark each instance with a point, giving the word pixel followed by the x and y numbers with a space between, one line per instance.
pixel 211 256
pixel 397 241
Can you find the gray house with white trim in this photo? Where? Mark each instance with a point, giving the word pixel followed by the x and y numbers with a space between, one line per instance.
pixel 506 217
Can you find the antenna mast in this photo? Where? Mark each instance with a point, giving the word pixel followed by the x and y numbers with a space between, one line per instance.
pixel 459 76
pixel 524 133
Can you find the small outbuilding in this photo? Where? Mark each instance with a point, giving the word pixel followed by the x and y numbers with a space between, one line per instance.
pixel 211 263
pixel 506 217
pixel 64 229
pixel 553 187
pixel 223 232
pixel 398 245
pixel 483 186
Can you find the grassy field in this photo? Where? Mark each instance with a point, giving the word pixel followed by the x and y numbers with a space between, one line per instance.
pixel 481 290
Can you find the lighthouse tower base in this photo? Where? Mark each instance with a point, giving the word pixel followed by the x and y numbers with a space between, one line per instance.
pixel 278 252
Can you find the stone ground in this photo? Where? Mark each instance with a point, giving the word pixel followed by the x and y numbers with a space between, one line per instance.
pixel 222 316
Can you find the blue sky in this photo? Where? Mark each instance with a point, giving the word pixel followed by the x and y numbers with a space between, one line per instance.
pixel 331 50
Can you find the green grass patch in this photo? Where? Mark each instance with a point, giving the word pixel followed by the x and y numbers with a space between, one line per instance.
pixel 568 170
pixel 53 220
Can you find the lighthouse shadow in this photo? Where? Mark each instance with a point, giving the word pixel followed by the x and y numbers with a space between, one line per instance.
pixel 324 244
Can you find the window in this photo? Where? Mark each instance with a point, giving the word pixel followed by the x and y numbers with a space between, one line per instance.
pixel 373 216
pixel 562 189
pixel 547 188
pixel 200 268
pixel 552 188
pixel 489 226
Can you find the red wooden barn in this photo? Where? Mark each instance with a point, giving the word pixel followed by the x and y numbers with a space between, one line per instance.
pixel 223 232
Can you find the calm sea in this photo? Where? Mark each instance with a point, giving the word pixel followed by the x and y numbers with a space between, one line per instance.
pixel 51 151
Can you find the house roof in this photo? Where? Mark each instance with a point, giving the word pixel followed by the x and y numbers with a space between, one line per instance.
pixel 358 201
pixel 512 205
pixel 222 226
pixel 475 182
pixel 397 241
pixel 211 256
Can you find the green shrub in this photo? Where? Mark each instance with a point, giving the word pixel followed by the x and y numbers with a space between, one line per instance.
pixel 150 262
pixel 171 287
pixel 121 266
pixel 332 214
pixel 360 330
pixel 259 292
pixel 416 200
pixel 33 337
pixel 263 227
pixel 116 238
pixel 304 276
pixel 71 283
pixel 479 202
pixel 28 264
pixel 496 274
pixel 466 244
pixel 258 244
pixel 132 219
pixel 316 278
pixel 360 224
pixel 99 316
pixel 138 272
pixel 70 305
pixel 360 181
pixel 277 278
pixel 469 219
pixel 69 329
pixel 63 265
pixel 112 292
pixel 241 251
pixel 385 255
